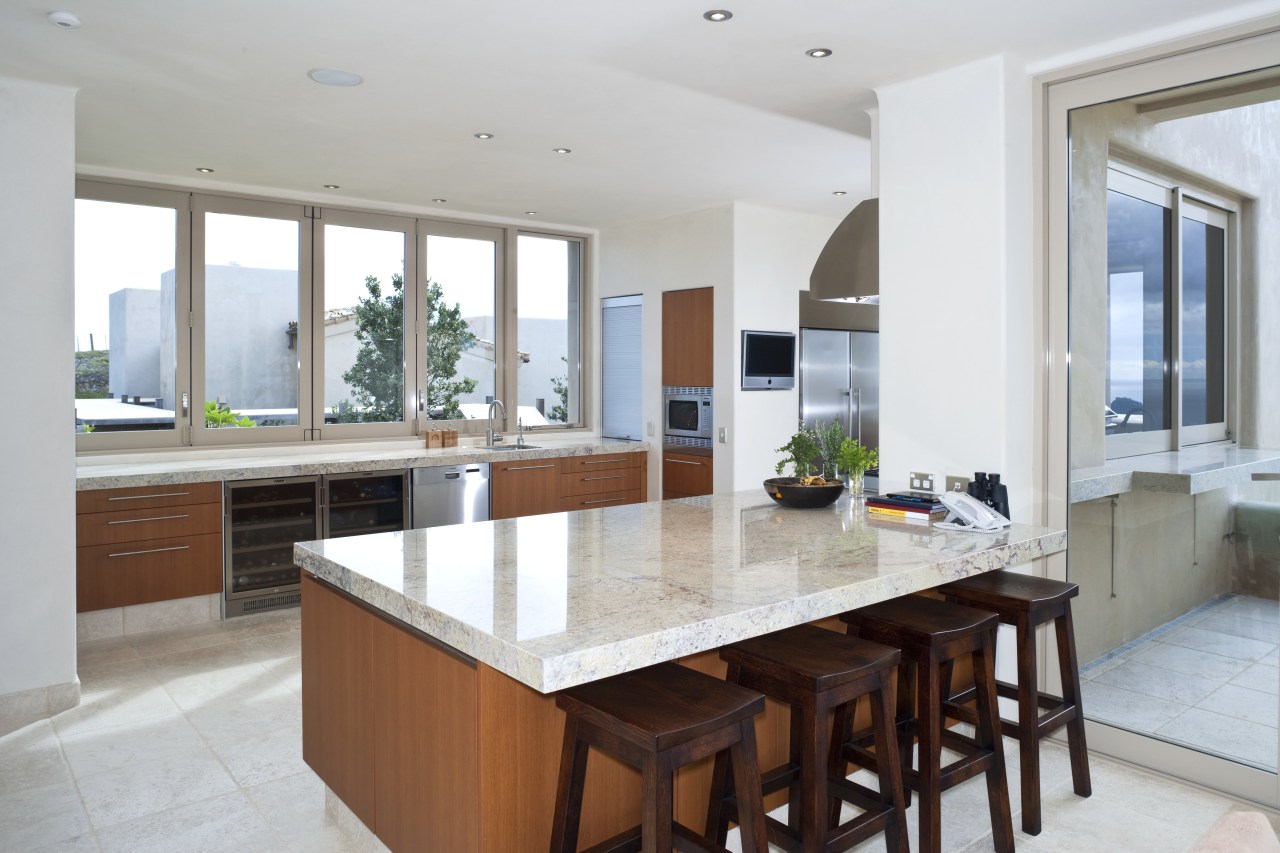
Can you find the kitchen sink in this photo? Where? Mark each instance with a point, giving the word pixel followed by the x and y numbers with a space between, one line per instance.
pixel 510 447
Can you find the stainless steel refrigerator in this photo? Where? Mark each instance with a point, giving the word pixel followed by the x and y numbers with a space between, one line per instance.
pixel 840 380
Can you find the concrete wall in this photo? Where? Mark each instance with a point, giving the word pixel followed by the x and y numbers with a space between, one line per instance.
pixel 37 509
pixel 135 343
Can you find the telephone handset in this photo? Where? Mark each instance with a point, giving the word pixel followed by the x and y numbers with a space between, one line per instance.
pixel 965 512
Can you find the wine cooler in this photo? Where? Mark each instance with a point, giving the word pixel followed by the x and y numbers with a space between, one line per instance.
pixel 264 518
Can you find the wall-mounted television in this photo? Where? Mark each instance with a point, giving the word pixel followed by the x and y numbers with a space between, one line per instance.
pixel 768 361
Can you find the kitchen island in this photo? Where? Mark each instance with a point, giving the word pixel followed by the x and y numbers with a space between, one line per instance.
pixel 429 655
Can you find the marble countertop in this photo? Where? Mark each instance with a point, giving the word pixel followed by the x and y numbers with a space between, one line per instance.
pixel 205 465
pixel 1184 472
pixel 562 599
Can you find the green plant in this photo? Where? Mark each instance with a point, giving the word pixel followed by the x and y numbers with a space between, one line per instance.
pixel 216 416
pixel 560 385
pixel 829 438
pixel 377 375
pixel 88 427
pixel 856 459
pixel 448 337
pixel 801 453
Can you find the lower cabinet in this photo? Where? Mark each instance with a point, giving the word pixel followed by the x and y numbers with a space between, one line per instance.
pixel 685 475
pixel 152 543
pixel 536 486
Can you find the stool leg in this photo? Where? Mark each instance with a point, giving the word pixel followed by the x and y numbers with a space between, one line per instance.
pixel 795 757
pixel 889 771
pixel 988 736
pixel 573 774
pixel 815 741
pixel 746 777
pixel 837 764
pixel 1070 672
pixel 721 787
pixel 1028 728
pixel 905 713
pixel 929 714
pixel 656 817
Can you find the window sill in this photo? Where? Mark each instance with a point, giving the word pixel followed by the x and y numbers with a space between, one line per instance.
pixel 1183 472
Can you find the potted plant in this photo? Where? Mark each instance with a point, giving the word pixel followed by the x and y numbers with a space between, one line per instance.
pixel 808 488
pixel 854 460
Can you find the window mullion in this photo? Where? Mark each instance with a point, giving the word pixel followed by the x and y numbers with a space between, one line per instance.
pixel 1175 326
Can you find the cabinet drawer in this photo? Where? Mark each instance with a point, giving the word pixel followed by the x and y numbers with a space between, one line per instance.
pixel 600 500
pixel 598 482
pixel 687 475
pixel 147 497
pixel 158 570
pixel 140 525
pixel 604 462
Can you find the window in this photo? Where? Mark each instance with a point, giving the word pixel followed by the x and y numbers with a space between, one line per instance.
pixel 1167 289
pixel 216 320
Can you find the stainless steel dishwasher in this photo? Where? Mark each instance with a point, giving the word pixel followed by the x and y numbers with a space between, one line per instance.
pixel 450 494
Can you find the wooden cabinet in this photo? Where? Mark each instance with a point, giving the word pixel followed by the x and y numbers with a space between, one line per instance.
pixel 535 486
pixel 687 333
pixel 685 475
pixel 145 544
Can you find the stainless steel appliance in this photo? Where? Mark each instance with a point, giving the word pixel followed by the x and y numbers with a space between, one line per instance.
pixel 687 413
pixel 450 494
pixel 840 380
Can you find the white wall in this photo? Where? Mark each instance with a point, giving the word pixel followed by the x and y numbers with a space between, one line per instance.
pixel 37 507
pixel 774 252
pixel 957 356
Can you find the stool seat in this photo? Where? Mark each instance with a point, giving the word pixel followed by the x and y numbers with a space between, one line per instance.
pixel 920 621
pixel 1003 591
pixel 661 707
pixel 811 658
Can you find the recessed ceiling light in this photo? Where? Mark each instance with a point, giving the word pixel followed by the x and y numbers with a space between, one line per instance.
pixel 839 192
pixel 439 200
pixel 562 150
pixel 483 135
pixel 66 20
pixel 531 213
pixel 203 169
pixel 334 77
pixel 332 187
pixel 818 52
pixel 718 15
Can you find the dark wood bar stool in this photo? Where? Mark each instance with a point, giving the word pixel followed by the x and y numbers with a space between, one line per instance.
pixel 816 671
pixel 658 719
pixel 1027 602
pixel 932 634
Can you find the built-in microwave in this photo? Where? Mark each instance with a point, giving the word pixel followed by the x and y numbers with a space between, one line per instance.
pixel 687 415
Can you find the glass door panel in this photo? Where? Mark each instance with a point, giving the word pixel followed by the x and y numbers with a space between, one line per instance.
pixel 1204 277
pixel 549 299
pixel 460 293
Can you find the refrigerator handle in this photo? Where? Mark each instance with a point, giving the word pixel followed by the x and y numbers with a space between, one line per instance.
pixel 856 402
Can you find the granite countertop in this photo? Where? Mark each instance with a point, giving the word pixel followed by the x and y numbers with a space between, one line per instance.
pixel 205 465
pixel 561 599
pixel 1184 472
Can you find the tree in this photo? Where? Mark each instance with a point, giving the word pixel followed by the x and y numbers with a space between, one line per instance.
pixel 377 376
pixel 448 337
pixel 560 385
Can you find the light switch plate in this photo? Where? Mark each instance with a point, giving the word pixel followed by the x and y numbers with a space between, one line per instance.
pixel 921 482
pixel 649 428
pixel 724 435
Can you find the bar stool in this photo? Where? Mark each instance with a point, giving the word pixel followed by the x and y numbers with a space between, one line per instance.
pixel 1027 602
pixel 658 719
pixel 816 671
pixel 932 633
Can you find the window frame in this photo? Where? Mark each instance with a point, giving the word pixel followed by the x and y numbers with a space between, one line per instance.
pixel 578 372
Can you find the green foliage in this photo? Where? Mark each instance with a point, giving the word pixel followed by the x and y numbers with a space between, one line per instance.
pixel 829 438
pixel 560 385
pixel 88 427
pixel 448 337
pixel 216 416
pixel 377 375
pixel 856 459
pixel 801 453
pixel 93 372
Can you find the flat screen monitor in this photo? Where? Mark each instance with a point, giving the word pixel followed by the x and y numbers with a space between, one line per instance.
pixel 768 361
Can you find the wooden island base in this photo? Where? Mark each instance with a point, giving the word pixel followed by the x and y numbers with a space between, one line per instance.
pixel 435 751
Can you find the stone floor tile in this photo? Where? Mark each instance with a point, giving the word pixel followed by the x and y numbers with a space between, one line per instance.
pixel 1243 704
pixel 1218 643
pixel 38 817
pixel 1135 711
pixel 1189 661
pixel 227 823
pixel 1226 736
pixel 1158 682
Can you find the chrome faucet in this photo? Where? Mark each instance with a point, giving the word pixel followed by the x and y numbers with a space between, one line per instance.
pixel 493 436
pixel 519 432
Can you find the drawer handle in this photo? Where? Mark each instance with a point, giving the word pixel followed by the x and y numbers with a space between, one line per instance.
pixel 683 462
pixel 148 497
pixel 608 477
pixel 150 551
pixel 604 501
pixel 152 518
pixel 602 461
pixel 528 467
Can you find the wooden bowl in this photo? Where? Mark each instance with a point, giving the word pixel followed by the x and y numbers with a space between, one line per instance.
pixel 788 492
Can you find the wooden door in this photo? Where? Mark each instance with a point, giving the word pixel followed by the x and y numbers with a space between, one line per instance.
pixel 525 487
pixel 687 332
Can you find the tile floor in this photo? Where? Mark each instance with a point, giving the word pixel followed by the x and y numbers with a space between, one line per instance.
pixel 189 740
pixel 1209 679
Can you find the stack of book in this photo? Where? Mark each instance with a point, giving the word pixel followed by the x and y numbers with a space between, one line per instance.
pixel 909 507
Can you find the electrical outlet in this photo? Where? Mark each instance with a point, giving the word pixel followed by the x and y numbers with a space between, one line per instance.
pixel 921 482
pixel 958 484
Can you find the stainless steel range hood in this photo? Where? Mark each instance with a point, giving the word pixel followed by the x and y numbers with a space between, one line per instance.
pixel 848 269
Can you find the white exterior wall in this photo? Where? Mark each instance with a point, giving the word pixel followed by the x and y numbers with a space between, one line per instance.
pixel 37 507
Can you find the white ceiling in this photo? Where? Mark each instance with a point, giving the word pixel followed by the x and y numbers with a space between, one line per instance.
pixel 665 112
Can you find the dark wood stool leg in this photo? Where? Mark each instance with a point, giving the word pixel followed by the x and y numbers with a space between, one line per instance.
pixel 721 787
pixel 814 808
pixel 929 714
pixel 573 774
pixel 795 757
pixel 882 720
pixel 988 736
pixel 655 821
pixel 837 764
pixel 905 713
pixel 1070 672
pixel 1028 729
pixel 746 776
